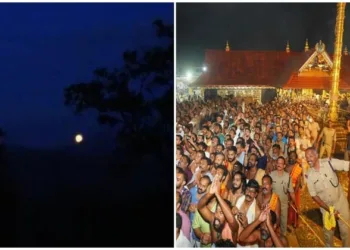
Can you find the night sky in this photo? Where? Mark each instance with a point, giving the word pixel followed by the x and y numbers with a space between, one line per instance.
pixel 252 26
pixel 46 47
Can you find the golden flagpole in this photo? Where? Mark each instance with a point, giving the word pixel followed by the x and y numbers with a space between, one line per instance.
pixel 338 45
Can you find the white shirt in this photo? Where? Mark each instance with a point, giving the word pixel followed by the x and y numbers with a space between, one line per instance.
pixel 250 216
pixel 198 169
pixel 182 241
pixel 302 141
pixel 240 158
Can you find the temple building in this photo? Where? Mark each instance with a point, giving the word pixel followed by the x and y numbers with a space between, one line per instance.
pixel 254 73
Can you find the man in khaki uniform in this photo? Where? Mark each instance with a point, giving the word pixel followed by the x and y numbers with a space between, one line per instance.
pixel 325 190
pixel 282 185
pixel 328 136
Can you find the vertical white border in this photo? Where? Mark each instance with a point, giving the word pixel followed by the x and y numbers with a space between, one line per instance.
pixel 174 145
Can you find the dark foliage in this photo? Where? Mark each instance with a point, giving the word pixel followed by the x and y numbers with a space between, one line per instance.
pixel 109 94
pixel 144 126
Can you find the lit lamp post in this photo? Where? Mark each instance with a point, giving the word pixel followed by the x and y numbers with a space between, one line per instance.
pixel 339 30
pixel 189 77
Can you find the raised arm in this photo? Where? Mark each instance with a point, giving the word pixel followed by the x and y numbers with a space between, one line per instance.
pixel 249 234
pixel 188 145
pixel 227 211
pixel 203 209
pixel 340 165
pixel 261 152
pixel 278 242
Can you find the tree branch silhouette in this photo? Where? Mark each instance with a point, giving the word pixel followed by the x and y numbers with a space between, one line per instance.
pixel 110 94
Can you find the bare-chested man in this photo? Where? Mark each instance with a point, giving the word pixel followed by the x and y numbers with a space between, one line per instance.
pixel 238 187
pixel 218 219
pixel 252 171
pixel 263 231
pixel 328 137
pixel 268 197
pixel 314 128
pixel 247 208
pixel 231 158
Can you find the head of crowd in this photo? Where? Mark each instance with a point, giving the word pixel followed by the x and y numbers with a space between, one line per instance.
pixel 240 168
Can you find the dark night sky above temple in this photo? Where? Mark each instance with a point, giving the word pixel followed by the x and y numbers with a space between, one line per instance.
pixel 47 46
pixel 252 26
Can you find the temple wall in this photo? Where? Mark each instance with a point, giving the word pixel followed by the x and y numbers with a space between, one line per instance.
pixel 254 94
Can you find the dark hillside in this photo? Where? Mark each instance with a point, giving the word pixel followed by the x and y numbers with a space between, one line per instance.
pixel 55 198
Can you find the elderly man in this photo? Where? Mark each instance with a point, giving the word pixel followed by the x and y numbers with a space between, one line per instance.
pixel 325 190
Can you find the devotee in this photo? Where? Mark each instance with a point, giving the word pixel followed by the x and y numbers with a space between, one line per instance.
pixel 217 219
pixel 184 164
pixel 222 174
pixel 259 152
pixel 272 161
pixel 314 128
pixel 269 198
pixel 181 240
pixel 185 222
pixel 247 209
pixel 218 133
pixel 328 137
pixel 202 170
pixel 240 145
pixel 238 186
pixel 324 188
pixel 264 231
pixel 231 158
pixel 302 143
pixel 296 177
pixel 181 181
pixel 219 159
pixel 195 164
pixel 260 123
pixel 292 146
pixel 201 236
pixel 283 145
pixel 252 170
pixel 197 192
pixel 179 154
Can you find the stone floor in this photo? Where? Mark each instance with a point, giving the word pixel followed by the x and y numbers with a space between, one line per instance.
pixel 303 236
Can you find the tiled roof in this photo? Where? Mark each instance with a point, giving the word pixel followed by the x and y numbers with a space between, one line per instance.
pixel 263 68
pixel 304 82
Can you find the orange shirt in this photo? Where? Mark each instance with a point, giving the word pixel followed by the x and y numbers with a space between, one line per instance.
pixel 273 202
pixel 295 173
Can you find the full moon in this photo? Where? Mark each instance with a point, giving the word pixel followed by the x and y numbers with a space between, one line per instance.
pixel 78 138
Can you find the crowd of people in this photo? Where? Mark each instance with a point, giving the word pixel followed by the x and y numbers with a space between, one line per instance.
pixel 241 168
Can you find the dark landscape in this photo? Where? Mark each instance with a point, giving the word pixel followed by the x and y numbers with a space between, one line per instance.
pixel 56 198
